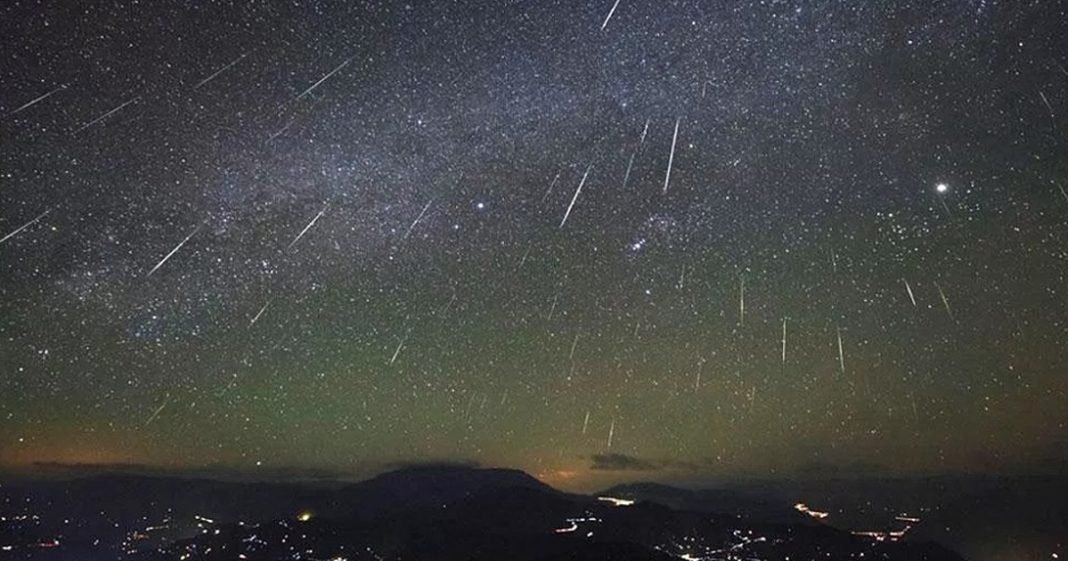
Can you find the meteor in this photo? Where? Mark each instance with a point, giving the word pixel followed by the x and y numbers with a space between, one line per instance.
pixel 610 12
pixel 259 313
pixel 219 71
pixel 575 198
pixel 324 78
pixel 173 251
pixel 308 227
pixel 909 289
pixel 417 219
pixel 24 226
pixel 36 100
pixel 671 158
pixel 841 354
pixel 105 115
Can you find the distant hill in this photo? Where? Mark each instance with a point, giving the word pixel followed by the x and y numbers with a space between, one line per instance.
pixel 420 488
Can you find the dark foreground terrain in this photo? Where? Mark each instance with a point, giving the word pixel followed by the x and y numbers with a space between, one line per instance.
pixel 421 514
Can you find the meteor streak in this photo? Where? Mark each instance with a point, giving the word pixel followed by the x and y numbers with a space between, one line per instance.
pixel 417 219
pixel 324 78
pixel 784 341
pixel 173 251
pixel 259 313
pixel 610 12
pixel 308 227
pixel 105 115
pixel 945 301
pixel 671 158
pixel 24 226
pixel 741 303
pixel 841 353
pixel 575 198
pixel 158 410
pixel 219 71
pixel 397 352
pixel 36 100
pixel 909 289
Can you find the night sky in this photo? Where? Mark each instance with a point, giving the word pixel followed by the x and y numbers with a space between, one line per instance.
pixel 593 240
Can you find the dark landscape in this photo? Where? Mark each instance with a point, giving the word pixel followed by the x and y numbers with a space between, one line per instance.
pixel 449 513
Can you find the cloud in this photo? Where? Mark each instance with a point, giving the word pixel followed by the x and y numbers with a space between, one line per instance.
pixel 621 462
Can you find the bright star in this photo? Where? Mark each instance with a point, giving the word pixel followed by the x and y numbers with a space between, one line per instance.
pixel 941 187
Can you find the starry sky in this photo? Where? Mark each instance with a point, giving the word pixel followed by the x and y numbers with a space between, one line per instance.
pixel 593 240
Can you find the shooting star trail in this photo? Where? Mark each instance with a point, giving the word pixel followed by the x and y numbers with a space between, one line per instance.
pixel 158 410
pixel 697 382
pixel 105 115
pixel 308 227
pixel 611 433
pixel 550 190
pixel 324 78
pixel 575 198
pixel 645 131
pixel 470 402
pixel 784 341
pixel 671 158
pixel 741 302
pixel 397 352
pixel 1049 107
pixel 553 307
pixel 448 306
pixel 35 101
pixel 586 422
pixel 24 226
pixel 909 290
pixel 573 345
pixel 279 132
pixel 610 12
pixel 258 314
pixel 219 71
pixel 173 251
pixel 945 301
pixel 1061 187
pixel 940 194
pixel 630 164
pixel 841 353
pixel 417 219
pixel 523 259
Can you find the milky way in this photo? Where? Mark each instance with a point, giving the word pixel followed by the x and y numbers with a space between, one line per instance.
pixel 714 238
